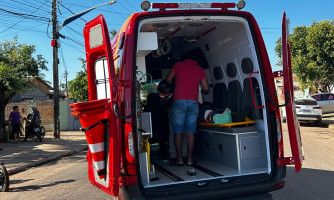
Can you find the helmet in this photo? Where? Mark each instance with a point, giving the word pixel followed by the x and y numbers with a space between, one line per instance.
pixel 165 88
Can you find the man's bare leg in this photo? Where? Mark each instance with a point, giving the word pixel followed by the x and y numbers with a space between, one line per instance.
pixel 190 147
pixel 178 147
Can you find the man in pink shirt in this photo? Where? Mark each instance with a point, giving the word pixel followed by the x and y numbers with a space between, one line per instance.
pixel 188 76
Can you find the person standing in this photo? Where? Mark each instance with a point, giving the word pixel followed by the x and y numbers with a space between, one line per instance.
pixel 14 118
pixel 188 77
pixel 36 119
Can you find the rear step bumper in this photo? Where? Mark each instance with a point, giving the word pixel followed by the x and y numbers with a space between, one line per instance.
pixel 253 191
pixel 132 192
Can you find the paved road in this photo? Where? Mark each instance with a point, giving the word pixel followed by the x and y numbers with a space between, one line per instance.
pixel 316 178
pixel 67 178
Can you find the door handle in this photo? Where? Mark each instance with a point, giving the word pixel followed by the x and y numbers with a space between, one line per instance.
pixel 251 85
pixel 115 108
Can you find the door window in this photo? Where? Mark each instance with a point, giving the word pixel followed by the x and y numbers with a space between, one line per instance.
pixel 102 79
pixel 317 97
pixel 328 97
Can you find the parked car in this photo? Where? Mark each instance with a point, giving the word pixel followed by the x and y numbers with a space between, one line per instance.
pixel 307 109
pixel 326 101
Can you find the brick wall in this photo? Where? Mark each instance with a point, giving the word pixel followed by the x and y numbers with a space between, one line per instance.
pixel 44 107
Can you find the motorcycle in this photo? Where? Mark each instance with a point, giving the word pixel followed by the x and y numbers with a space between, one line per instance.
pixel 4 178
pixel 34 129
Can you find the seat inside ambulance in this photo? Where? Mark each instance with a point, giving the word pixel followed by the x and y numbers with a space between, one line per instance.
pixel 228 55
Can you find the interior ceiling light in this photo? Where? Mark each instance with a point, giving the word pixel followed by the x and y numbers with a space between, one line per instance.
pixel 241 4
pixel 145 5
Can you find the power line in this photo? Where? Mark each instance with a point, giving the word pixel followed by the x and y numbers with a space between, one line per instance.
pixel 131 5
pixel 25 15
pixel 26 29
pixel 31 6
pixel 79 43
pixel 111 10
pixel 70 11
pixel 23 18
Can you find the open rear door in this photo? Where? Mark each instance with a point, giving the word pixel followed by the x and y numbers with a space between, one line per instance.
pixel 291 117
pixel 102 83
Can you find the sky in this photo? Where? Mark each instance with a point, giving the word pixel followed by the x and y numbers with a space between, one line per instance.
pixel 30 22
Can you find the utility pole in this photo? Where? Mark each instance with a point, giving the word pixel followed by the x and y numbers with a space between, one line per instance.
pixel 66 84
pixel 54 44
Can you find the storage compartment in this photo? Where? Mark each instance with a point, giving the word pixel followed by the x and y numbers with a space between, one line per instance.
pixel 227 52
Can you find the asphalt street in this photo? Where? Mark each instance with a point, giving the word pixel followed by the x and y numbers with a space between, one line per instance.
pixel 66 178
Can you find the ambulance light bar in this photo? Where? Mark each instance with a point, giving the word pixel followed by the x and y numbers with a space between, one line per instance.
pixel 163 6
pixel 145 5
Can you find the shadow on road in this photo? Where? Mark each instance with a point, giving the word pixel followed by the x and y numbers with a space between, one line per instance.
pixel 37 187
pixel 13 182
pixel 308 184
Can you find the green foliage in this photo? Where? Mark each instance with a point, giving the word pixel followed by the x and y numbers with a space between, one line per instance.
pixel 312 52
pixel 78 87
pixel 17 62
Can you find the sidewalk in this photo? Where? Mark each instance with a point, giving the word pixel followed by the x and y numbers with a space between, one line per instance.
pixel 19 156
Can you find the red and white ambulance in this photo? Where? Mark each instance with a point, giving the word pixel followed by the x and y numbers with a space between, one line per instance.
pixel 236 159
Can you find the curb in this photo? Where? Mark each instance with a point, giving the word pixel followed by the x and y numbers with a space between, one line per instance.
pixel 45 160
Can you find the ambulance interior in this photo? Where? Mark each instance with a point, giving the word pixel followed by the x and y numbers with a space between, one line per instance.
pixel 222 153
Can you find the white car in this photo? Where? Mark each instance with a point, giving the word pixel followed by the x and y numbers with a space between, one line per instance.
pixel 326 101
pixel 307 109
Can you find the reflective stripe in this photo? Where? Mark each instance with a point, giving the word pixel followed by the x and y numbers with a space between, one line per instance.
pixel 96 147
pixel 99 165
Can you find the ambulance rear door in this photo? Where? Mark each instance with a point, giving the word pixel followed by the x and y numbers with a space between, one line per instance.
pixel 291 117
pixel 102 83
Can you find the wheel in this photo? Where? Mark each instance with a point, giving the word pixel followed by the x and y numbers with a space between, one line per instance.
pixel 41 133
pixel 4 179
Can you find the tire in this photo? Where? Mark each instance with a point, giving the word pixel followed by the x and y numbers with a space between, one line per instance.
pixel 41 133
pixel 4 179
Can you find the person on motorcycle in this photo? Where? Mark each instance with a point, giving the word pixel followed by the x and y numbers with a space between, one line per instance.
pixel 35 120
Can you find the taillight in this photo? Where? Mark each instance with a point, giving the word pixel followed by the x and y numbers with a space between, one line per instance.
pixel 130 144
pixel 318 107
pixel 129 149
pixel 298 107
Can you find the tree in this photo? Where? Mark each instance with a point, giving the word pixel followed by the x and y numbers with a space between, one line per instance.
pixel 17 63
pixel 78 87
pixel 113 33
pixel 312 55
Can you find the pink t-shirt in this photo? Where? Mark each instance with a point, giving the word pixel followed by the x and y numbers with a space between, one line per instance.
pixel 188 75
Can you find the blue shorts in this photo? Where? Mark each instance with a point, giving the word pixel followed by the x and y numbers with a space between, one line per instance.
pixel 184 116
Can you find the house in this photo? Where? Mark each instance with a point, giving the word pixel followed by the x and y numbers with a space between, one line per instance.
pixel 279 83
pixel 39 90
